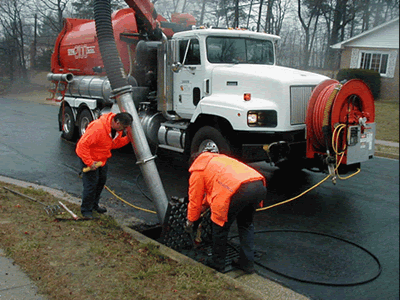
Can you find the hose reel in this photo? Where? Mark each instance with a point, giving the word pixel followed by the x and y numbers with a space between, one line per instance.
pixel 340 123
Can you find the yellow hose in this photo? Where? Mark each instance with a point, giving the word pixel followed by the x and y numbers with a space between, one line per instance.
pixel 335 138
pixel 336 133
pixel 294 198
pixel 119 198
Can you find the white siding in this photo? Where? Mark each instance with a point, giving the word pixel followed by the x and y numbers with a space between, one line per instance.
pixel 387 37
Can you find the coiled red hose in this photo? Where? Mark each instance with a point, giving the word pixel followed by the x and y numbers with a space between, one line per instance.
pixel 331 104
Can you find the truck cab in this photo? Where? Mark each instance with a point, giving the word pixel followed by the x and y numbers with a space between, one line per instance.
pixel 223 86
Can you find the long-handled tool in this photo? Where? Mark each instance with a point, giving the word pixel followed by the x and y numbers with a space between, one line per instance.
pixel 49 209
pixel 69 211
pixel 87 169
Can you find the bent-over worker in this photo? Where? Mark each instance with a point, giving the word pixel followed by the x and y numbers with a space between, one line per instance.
pixel 94 149
pixel 232 190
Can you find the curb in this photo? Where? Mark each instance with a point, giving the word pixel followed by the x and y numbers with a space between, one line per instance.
pixel 387 143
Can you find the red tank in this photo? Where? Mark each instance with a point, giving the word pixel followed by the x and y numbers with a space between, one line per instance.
pixel 77 51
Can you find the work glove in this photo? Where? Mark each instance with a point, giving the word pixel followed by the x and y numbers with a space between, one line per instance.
pixel 189 227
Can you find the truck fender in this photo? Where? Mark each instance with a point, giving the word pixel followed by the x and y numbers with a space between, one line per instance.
pixel 225 110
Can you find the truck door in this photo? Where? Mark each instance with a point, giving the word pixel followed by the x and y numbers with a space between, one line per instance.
pixel 188 82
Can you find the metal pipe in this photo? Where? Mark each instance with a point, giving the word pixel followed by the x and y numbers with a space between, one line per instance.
pixel 122 92
pixel 68 77
pixel 144 157
pixel 164 88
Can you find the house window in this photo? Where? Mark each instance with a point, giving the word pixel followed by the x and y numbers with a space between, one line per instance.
pixel 374 61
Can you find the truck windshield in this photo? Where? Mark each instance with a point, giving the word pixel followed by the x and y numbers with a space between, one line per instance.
pixel 239 50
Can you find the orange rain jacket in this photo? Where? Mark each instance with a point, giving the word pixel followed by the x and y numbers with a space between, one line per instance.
pixel 96 144
pixel 214 179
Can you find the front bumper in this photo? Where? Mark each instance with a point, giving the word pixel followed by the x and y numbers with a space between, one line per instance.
pixel 252 145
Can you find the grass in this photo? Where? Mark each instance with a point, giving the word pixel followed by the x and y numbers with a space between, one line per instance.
pixel 387 127
pixel 96 259
pixel 387 120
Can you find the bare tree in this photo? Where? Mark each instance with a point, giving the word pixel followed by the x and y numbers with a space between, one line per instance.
pixel 12 19
pixel 312 14
pixel 202 13
pixel 259 15
pixel 7 56
pixel 52 11
pixel 338 14
pixel 269 18
pixel 281 8
pixel 236 21
pixel 249 14
pixel 376 12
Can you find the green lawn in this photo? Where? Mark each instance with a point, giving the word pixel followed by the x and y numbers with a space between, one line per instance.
pixel 387 120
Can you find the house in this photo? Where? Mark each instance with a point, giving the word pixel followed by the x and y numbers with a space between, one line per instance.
pixel 375 49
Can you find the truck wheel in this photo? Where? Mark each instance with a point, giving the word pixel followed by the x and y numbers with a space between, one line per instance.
pixel 67 122
pixel 85 117
pixel 207 135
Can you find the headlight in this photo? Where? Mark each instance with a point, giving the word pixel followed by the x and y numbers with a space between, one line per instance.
pixel 252 118
pixel 262 118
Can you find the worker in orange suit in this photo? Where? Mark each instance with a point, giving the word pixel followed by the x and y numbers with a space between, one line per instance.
pixel 232 190
pixel 94 149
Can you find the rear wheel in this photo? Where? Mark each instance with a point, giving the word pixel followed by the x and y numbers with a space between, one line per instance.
pixel 67 122
pixel 208 134
pixel 85 117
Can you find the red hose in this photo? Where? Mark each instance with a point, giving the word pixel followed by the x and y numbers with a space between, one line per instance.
pixel 314 120
pixel 330 106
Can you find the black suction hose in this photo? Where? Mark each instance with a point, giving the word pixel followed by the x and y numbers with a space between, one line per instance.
pixel 108 48
pixel 122 92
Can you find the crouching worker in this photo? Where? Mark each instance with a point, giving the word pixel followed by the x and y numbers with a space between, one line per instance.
pixel 232 190
pixel 94 149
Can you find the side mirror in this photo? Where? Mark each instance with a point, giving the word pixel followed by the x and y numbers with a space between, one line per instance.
pixel 176 67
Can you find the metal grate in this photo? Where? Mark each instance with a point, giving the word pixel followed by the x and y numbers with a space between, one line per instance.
pixel 299 97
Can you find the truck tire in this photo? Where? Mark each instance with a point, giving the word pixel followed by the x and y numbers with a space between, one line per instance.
pixel 67 122
pixel 85 117
pixel 208 134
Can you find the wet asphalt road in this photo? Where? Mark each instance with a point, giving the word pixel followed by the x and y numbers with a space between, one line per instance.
pixel 336 242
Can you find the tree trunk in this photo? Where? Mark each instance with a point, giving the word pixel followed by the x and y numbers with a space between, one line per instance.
pixel 259 15
pixel 236 22
pixel 248 17
pixel 340 9
pixel 24 70
pixel 269 17
pixel 366 16
pixel 184 7
pixel 203 8
pixel 34 44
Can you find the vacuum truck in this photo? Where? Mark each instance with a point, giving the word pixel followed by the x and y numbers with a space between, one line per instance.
pixel 193 86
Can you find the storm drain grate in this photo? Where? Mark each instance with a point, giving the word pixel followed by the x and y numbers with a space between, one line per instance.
pixel 173 233
pixel 174 236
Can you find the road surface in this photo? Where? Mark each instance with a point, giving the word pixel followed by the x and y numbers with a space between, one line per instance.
pixel 335 242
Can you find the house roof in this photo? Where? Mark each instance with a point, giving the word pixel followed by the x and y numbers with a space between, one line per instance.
pixel 382 36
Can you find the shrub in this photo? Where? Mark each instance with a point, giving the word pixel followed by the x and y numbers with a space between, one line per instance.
pixel 370 77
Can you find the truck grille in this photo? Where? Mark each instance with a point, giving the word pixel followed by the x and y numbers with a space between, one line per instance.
pixel 299 96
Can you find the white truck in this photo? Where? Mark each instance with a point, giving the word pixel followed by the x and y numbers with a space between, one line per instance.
pixel 203 85
pixel 207 85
